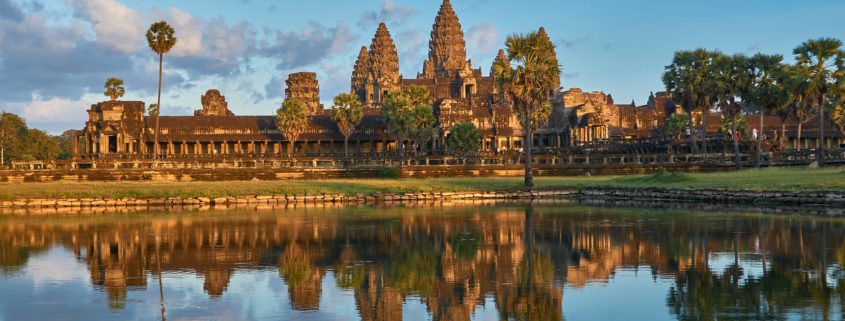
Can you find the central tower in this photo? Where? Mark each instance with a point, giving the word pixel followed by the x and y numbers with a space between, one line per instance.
pixel 447 48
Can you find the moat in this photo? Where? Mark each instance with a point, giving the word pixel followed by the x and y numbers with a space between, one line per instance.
pixel 492 262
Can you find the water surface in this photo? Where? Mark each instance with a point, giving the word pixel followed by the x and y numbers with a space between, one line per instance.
pixel 512 262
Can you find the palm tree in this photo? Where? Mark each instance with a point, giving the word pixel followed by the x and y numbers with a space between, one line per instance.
pixel 690 80
pixel 347 112
pixel 731 82
pixel 765 92
pixel 291 120
pixel 114 88
pixel 161 39
pixel 527 80
pixel 822 62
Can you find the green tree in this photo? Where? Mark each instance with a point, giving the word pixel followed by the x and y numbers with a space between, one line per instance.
pixel 822 63
pixel 527 80
pixel 38 145
pixel 114 88
pixel 732 82
pixel 12 131
pixel 464 140
pixel 422 126
pixel 408 115
pixel 65 143
pixel 291 120
pixel 160 39
pixel 675 125
pixel 766 92
pixel 347 112
pixel 689 78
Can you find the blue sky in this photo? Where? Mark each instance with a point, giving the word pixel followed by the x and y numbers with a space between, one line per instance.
pixel 56 54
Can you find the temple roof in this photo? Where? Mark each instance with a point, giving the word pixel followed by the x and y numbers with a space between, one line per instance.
pixel 384 58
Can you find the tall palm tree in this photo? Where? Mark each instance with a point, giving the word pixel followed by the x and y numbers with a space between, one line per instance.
pixel 160 39
pixel 690 80
pixel 114 88
pixel 731 83
pixel 765 92
pixel 822 62
pixel 527 80
pixel 291 120
pixel 347 112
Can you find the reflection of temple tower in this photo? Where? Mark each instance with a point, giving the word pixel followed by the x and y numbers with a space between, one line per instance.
pixel 302 277
pixel 216 281
pixel 377 302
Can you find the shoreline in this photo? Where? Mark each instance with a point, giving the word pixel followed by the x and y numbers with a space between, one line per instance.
pixel 817 198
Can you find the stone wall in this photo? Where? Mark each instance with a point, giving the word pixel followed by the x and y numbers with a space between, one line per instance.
pixel 269 174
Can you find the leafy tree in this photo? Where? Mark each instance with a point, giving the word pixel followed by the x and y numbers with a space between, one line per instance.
pixel 408 115
pixel 65 143
pixel 38 145
pixel 527 80
pixel 291 120
pixel 767 92
pixel 347 112
pixel 676 124
pixel 160 39
pixel 689 78
pixel 12 131
pixel 822 63
pixel 114 88
pixel 729 126
pixel 464 140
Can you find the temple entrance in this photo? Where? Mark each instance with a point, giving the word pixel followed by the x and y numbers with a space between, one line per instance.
pixel 468 91
pixel 112 144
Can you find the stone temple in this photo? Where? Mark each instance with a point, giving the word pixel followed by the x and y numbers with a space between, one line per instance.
pixel 461 93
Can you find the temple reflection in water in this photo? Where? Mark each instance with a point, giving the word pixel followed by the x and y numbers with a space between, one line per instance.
pixel 523 259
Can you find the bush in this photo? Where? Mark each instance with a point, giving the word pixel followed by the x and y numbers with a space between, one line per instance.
pixel 388 172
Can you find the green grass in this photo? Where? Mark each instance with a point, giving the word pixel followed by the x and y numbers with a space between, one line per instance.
pixel 767 179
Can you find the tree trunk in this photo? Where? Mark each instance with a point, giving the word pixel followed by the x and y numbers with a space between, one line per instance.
pixel 290 152
pixel 2 156
pixel 800 130
pixel 528 146
pixel 158 106
pixel 400 143
pixel 783 141
pixel 758 157
pixel 821 132
pixel 693 143
pixel 345 146
pixel 737 157
pixel 704 133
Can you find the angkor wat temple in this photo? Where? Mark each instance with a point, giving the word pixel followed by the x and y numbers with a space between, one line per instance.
pixel 460 91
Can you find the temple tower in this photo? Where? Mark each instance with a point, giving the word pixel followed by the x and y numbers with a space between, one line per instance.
pixel 447 48
pixel 362 82
pixel 303 86
pixel 384 63
pixel 213 104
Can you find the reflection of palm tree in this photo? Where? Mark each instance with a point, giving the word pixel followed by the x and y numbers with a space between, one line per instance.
pixel 160 283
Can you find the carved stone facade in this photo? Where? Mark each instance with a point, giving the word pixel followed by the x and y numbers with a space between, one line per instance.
pixel 447 48
pixel 303 86
pixel 213 104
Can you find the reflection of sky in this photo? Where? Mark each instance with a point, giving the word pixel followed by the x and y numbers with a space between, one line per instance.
pixel 630 294
pixel 750 262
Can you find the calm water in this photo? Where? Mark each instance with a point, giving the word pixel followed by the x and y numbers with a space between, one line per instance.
pixel 572 262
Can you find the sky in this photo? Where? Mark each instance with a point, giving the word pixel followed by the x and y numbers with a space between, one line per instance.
pixel 55 55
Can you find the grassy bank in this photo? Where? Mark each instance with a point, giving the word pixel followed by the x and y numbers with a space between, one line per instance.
pixel 767 179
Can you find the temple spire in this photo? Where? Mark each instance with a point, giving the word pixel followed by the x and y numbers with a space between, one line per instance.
pixel 447 48
pixel 361 74
pixel 384 61
pixel 500 58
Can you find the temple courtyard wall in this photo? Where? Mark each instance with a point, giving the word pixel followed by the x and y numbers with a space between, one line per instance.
pixel 271 174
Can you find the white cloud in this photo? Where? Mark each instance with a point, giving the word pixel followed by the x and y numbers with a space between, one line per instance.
pixel 389 12
pixel 483 39
pixel 113 23
pixel 54 115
